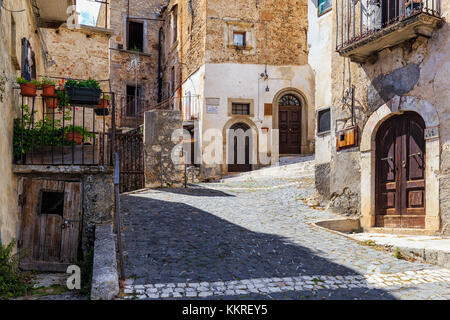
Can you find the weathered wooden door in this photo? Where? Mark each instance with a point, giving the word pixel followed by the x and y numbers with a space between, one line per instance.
pixel 240 162
pixel 290 129
pixel 400 172
pixel 51 220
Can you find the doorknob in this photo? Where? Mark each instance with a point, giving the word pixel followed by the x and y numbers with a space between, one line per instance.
pixel 404 164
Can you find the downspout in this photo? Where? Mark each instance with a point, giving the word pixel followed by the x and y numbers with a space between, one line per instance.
pixel 159 64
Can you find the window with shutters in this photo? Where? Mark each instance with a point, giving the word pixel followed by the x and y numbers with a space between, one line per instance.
pixel 241 108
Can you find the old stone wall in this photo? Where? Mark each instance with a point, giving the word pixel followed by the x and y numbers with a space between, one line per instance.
pixel 276 31
pixel 417 68
pixel 163 158
pixel 13 27
pixel 147 13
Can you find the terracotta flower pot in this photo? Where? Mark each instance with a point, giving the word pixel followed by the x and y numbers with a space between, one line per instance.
pixel 102 108
pixel 74 136
pixel 48 90
pixel 51 102
pixel 28 89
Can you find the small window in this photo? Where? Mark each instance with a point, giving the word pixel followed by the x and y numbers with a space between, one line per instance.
pixel 175 26
pixel 239 39
pixel 135 35
pixel 323 120
pixel 52 202
pixel 241 108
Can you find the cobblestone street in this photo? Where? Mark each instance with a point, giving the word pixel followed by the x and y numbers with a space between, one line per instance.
pixel 251 238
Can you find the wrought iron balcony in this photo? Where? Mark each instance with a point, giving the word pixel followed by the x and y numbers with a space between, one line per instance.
pixel 50 131
pixel 365 27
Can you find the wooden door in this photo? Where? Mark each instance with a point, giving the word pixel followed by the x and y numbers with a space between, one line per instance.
pixel 290 129
pixel 51 220
pixel 400 172
pixel 240 162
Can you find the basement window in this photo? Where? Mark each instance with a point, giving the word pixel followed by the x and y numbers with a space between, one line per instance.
pixel 240 108
pixel 323 120
pixel 239 39
pixel 52 203
pixel 135 36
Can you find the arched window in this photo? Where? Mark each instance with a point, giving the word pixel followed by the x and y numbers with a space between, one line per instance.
pixel 289 100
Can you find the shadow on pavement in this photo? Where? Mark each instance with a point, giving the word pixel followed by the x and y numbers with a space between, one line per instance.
pixel 174 242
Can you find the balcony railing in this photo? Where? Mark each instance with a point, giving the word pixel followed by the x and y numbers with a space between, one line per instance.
pixel 49 131
pixel 130 112
pixel 364 27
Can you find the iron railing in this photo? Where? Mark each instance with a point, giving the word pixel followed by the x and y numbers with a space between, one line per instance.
pixel 357 19
pixel 49 131
pixel 130 111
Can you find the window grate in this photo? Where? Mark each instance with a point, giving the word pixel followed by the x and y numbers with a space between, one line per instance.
pixel 241 108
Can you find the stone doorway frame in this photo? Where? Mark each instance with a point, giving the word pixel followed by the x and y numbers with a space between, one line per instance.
pixel 254 153
pixel 427 111
pixel 275 124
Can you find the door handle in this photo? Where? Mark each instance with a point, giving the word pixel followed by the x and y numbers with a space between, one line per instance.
pixel 404 164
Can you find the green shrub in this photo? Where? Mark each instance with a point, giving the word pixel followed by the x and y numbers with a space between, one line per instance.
pixel 13 283
pixel 91 83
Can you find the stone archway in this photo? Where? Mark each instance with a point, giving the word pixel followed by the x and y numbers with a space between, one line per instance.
pixel 304 148
pixel 254 142
pixel 396 106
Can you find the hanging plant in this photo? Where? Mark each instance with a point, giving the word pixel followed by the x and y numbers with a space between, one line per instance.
pixel 27 88
pixel 84 92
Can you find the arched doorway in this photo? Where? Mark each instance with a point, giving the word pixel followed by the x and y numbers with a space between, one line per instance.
pixel 238 154
pixel 400 172
pixel 289 124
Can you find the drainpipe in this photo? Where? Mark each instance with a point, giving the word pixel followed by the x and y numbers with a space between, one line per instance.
pixel 159 65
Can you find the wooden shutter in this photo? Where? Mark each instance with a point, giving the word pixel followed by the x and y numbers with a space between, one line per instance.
pixel 267 109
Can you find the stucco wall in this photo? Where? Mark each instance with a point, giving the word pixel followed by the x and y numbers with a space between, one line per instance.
pixel 25 27
pixel 417 68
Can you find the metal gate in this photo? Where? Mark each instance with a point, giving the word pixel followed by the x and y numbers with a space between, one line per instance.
pixel 130 147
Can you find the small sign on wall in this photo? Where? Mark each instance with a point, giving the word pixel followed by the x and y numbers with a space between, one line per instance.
pixel 431 133
pixel 212 109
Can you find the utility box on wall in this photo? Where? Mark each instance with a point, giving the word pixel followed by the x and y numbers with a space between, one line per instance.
pixel 347 138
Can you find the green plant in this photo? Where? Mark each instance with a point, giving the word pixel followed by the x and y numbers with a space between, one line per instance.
pixel 46 81
pixel 86 271
pixel 46 132
pixel 63 98
pixel 398 254
pixel 91 83
pixel 13 283
pixel 21 80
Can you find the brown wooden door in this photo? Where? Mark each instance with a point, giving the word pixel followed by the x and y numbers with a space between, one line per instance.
pixel 289 123
pixel 51 220
pixel 400 172
pixel 240 162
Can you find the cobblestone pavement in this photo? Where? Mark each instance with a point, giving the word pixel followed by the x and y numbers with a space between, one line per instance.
pixel 251 238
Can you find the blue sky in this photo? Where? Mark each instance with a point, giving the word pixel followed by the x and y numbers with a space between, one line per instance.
pixel 88 10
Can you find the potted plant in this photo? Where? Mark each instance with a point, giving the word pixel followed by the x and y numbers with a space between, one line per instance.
pixel 76 134
pixel 48 87
pixel 51 102
pixel 102 108
pixel 84 92
pixel 27 88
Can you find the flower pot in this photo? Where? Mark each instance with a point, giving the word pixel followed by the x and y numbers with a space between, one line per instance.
pixel 74 136
pixel 83 96
pixel 51 102
pixel 28 89
pixel 102 108
pixel 48 90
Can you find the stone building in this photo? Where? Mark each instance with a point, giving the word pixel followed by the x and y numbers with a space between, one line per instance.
pixel 240 65
pixel 54 189
pixel 382 93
